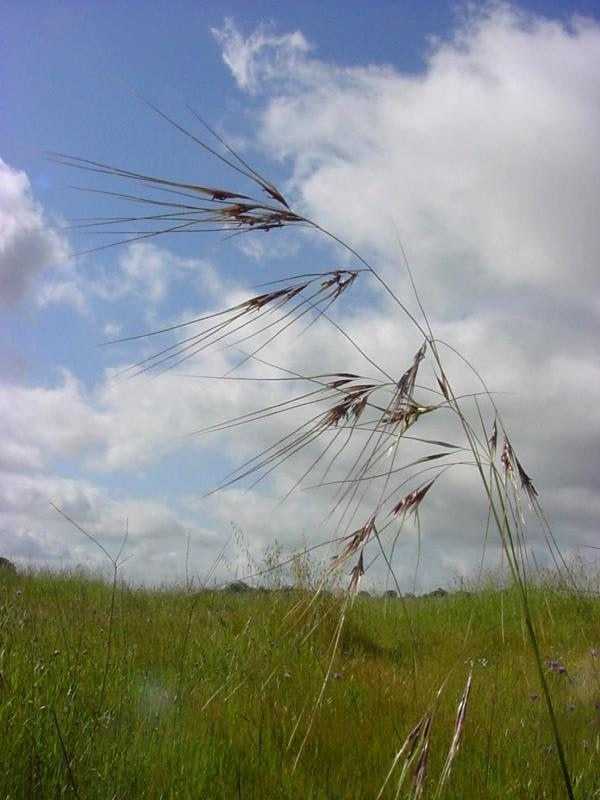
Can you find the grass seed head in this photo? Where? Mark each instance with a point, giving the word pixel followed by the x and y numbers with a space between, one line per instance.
pixel 493 440
pixel 355 541
pixel 461 713
pixel 512 466
pixel 412 501
pixel 356 574
pixel 420 773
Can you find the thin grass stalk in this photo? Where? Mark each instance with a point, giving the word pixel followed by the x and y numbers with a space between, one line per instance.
pixel 116 563
pixel 65 755
pixel 240 213
pixel 504 530
pixel 109 640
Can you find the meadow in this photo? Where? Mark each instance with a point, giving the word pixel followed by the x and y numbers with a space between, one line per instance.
pixel 175 693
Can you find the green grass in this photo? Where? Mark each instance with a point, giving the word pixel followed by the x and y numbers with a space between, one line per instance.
pixel 202 693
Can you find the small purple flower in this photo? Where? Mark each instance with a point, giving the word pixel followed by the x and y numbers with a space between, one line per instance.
pixel 555 665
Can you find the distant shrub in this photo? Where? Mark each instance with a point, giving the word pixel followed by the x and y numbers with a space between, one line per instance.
pixel 6 565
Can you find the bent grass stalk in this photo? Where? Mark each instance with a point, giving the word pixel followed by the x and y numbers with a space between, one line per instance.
pixel 116 563
pixel 341 399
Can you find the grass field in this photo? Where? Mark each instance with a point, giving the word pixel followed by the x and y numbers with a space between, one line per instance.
pixel 165 694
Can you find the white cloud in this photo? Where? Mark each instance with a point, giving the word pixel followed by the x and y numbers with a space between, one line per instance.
pixel 262 55
pixel 28 242
pixel 64 292
pixel 258 250
pixel 144 274
pixel 147 271
pixel 486 162
pixel 40 423
pixel 33 533
pixel 112 329
pixel 122 426
pixel 148 268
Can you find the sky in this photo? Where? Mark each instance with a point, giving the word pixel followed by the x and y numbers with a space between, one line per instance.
pixel 463 135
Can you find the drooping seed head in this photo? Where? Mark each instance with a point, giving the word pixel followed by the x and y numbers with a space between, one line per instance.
pixel 356 574
pixel 412 501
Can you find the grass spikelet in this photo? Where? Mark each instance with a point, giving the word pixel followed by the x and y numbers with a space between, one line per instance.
pixel 457 736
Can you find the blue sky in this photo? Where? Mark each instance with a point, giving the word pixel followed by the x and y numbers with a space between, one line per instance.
pixel 475 124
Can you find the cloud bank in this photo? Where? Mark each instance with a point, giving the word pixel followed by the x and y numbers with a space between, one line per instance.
pixel 485 166
pixel 29 244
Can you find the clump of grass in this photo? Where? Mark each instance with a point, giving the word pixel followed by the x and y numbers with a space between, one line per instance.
pixel 357 422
